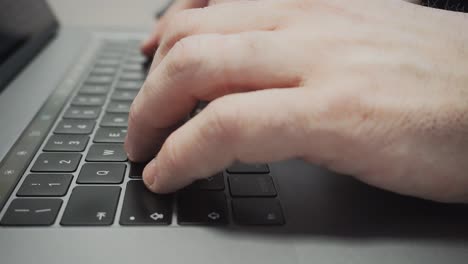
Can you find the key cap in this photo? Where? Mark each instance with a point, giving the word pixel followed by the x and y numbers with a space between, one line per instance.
pixel 114 120
pixel 91 205
pixel 257 211
pixel 124 95
pixel 107 62
pixel 99 79
pixel 202 207
pixel 131 67
pixel 251 185
pixel 32 212
pixel 45 185
pixel 75 143
pixel 136 170
pixel 88 100
pixel 136 59
pixel 110 135
pixel 119 107
pixel 248 168
pixel 215 182
pixel 94 89
pixel 101 173
pixel 75 126
pixel 105 70
pixel 56 162
pixel 130 85
pixel 132 76
pixel 79 112
pixel 142 207
pixel 106 152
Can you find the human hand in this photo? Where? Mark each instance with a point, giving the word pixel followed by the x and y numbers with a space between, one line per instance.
pixel 376 89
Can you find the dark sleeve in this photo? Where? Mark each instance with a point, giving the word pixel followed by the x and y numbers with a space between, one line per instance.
pixel 454 5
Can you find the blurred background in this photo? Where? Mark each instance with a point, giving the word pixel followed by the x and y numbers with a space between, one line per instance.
pixel 106 13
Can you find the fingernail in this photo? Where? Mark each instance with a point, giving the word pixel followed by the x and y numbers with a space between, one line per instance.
pixel 147 177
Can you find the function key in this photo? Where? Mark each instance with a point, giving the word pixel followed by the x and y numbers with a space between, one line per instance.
pixel 75 126
pixel 133 76
pixel 45 185
pixel 99 79
pixel 124 95
pixel 76 143
pixel 119 107
pixel 88 100
pixel 32 212
pixel 80 112
pixel 202 207
pixel 251 185
pixel 106 152
pixel 257 211
pixel 91 205
pixel 104 70
pixel 110 135
pixel 101 173
pixel 94 89
pixel 142 207
pixel 56 162
pixel 114 120
pixel 130 85
pixel 248 168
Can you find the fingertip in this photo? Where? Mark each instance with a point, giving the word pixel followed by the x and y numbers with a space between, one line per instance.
pixel 149 175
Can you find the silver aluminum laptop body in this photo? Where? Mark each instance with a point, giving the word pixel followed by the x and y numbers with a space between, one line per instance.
pixel 328 218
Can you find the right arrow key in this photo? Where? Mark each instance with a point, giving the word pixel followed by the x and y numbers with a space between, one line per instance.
pixel 202 208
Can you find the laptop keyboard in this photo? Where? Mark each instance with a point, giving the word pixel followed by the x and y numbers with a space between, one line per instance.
pixel 80 175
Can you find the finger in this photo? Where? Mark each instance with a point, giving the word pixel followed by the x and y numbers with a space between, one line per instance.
pixel 149 46
pixel 222 19
pixel 247 127
pixel 204 67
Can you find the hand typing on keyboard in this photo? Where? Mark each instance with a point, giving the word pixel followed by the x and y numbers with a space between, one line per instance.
pixel 376 89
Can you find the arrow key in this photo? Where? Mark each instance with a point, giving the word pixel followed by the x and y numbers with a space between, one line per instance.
pixel 45 185
pixel 142 207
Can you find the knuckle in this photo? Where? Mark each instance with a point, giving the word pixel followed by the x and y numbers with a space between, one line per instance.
pixel 181 25
pixel 223 122
pixel 185 55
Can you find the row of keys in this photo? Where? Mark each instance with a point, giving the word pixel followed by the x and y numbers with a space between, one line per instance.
pixel 97 205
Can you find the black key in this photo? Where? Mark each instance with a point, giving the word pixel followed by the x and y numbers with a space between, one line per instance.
pixel 64 143
pixel 75 126
pixel 81 112
pixel 248 168
pixel 94 89
pixel 110 135
pixel 257 211
pixel 91 205
pixel 106 152
pixel 99 79
pixel 203 207
pixel 136 170
pixel 119 107
pixel 45 185
pixel 56 162
pixel 105 70
pixel 130 85
pixel 88 100
pixel 124 95
pixel 101 173
pixel 32 212
pixel 132 76
pixel 215 182
pixel 114 120
pixel 142 207
pixel 251 185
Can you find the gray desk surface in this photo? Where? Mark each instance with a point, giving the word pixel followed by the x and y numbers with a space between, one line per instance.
pixel 106 13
